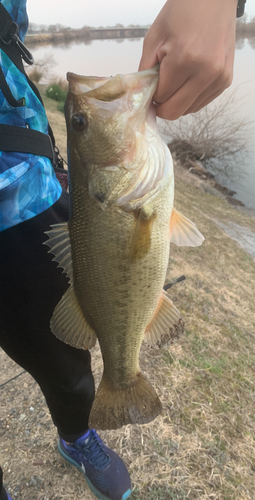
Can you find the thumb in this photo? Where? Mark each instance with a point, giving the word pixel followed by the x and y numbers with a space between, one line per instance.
pixel 149 57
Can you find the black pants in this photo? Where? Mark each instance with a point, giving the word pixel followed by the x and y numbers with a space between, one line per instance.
pixel 30 287
pixel 3 494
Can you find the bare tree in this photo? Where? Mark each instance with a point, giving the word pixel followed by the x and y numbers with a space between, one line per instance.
pixel 216 136
pixel 41 68
pixel 245 28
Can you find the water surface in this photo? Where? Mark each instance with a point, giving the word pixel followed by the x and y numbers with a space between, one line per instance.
pixel 108 57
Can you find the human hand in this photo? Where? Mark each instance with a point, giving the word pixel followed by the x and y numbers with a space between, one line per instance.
pixel 194 42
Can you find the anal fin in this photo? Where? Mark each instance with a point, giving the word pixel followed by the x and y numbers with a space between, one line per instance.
pixel 166 325
pixel 69 325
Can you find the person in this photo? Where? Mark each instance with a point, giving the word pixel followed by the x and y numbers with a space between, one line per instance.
pixel 194 42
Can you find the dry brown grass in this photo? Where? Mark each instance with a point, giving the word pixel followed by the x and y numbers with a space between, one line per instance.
pixel 203 444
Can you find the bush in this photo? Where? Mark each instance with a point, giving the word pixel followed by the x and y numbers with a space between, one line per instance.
pixel 60 106
pixel 63 84
pixel 56 93
pixel 41 68
pixel 35 75
pixel 215 136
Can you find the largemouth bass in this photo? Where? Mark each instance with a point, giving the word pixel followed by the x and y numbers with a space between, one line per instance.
pixel 115 247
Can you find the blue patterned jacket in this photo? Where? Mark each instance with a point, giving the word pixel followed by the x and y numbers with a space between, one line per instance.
pixel 28 185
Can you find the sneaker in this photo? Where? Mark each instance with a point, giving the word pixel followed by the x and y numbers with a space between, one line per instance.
pixel 104 471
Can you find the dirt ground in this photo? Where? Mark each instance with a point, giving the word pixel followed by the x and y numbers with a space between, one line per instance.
pixel 203 445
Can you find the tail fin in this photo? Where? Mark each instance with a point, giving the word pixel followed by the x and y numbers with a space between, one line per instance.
pixel 135 404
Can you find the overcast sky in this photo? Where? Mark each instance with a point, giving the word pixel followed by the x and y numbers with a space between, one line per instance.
pixel 78 13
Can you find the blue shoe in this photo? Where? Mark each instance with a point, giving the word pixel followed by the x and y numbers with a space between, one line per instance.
pixel 104 471
pixel 8 497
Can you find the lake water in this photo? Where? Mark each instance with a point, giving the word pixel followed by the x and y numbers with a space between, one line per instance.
pixel 108 57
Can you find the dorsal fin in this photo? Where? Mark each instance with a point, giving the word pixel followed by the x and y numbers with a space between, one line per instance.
pixel 60 246
pixel 68 322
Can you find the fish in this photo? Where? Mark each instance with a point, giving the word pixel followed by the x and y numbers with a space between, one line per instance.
pixel 115 247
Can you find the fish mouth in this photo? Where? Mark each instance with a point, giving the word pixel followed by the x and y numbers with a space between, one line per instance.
pixel 143 83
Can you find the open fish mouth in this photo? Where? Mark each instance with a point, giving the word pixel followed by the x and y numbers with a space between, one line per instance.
pixel 80 83
pixel 140 85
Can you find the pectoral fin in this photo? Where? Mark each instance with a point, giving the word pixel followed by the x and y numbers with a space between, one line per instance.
pixel 166 325
pixel 141 241
pixel 183 232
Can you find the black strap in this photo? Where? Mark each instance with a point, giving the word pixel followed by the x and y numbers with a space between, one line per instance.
pixel 19 139
pixel 26 140
pixel 240 8
pixel 7 93
pixel 10 42
pixel 7 26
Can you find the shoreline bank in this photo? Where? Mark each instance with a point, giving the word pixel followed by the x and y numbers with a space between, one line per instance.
pixel 209 184
pixel 85 35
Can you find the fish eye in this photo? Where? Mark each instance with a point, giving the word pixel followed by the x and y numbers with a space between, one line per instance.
pixel 79 122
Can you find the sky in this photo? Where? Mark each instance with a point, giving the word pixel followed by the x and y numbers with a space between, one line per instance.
pixel 78 13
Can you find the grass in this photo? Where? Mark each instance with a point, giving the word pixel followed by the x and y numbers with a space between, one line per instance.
pixel 203 445
pixel 159 493
pixel 206 381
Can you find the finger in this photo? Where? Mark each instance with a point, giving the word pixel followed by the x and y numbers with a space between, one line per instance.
pixel 196 77
pixel 181 101
pixel 172 76
pixel 212 91
pixel 149 54
pixel 193 94
pixel 195 108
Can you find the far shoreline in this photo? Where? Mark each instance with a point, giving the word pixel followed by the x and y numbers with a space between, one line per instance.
pixel 85 35
pixel 55 35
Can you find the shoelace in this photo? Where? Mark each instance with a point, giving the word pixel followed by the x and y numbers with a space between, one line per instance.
pixel 94 451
